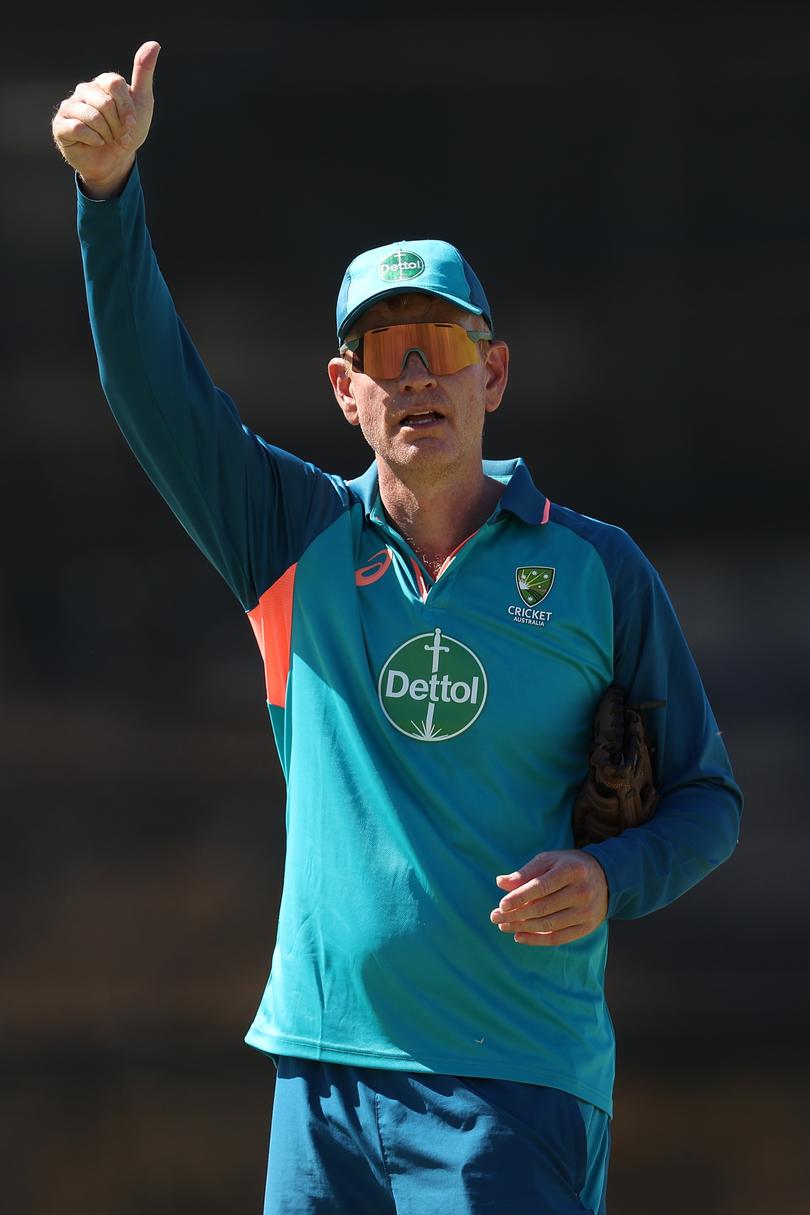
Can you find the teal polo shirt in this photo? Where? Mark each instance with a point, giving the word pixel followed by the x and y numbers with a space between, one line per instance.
pixel 432 733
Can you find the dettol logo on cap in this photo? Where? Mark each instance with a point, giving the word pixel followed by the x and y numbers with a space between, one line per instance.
pixel 432 688
pixel 400 265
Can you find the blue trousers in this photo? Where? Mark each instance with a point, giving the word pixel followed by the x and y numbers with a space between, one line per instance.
pixel 368 1141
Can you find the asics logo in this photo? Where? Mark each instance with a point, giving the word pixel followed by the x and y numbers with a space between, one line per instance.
pixel 377 565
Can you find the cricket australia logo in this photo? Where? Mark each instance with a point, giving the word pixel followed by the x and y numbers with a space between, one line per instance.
pixel 400 265
pixel 534 582
pixel 432 688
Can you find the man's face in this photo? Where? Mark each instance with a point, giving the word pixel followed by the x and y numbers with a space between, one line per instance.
pixel 422 424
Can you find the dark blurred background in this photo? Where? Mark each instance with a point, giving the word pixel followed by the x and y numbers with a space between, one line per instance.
pixel 630 183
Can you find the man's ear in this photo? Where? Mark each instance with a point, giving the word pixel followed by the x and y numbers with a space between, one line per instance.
pixel 496 369
pixel 341 381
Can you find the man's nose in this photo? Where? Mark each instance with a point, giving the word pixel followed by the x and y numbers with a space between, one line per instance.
pixel 415 373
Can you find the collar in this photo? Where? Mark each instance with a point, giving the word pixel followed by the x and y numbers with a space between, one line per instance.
pixel 520 497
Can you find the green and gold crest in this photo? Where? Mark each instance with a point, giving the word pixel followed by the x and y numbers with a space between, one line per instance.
pixel 534 582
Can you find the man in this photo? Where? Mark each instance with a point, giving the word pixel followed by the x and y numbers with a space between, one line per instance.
pixel 432 717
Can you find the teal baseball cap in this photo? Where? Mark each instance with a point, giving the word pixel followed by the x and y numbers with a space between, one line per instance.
pixel 429 267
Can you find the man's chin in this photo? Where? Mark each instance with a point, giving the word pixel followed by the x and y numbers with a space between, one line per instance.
pixel 420 454
pixel 419 463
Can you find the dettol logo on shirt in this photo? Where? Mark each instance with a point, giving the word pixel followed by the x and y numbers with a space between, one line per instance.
pixel 432 688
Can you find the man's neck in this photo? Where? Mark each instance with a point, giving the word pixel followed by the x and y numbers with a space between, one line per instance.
pixel 436 518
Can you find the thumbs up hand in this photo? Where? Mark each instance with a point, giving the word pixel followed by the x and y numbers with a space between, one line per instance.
pixel 99 128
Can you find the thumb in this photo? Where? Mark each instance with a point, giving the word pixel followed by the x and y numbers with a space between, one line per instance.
pixel 143 71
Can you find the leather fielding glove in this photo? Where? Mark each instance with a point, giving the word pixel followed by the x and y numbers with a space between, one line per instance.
pixel 619 791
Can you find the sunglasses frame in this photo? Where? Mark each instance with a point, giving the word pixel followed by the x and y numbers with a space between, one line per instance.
pixel 353 346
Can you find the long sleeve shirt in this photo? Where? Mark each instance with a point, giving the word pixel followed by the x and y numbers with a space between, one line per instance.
pixel 433 732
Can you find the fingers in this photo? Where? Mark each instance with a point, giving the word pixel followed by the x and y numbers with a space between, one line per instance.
pixel 118 91
pixel 546 922
pixel 558 928
pixel 99 111
pixel 509 881
pixel 96 109
pixel 551 921
pixel 143 71
pixel 69 131
pixel 546 874
pixel 566 900
pixel 561 900
pixel 565 909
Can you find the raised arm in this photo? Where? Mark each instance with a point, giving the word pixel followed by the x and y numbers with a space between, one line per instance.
pixel 250 507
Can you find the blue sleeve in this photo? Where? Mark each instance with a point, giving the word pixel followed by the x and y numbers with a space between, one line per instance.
pixel 696 825
pixel 250 507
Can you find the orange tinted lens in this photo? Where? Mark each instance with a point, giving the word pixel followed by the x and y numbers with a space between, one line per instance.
pixel 445 348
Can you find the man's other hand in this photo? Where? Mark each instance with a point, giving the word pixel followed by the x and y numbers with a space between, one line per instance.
pixel 556 898
pixel 99 128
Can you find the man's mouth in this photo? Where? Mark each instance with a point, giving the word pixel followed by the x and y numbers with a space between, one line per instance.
pixel 421 417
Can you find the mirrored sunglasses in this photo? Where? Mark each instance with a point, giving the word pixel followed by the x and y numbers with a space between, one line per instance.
pixel 444 348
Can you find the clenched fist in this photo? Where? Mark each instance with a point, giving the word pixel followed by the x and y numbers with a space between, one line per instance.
pixel 100 127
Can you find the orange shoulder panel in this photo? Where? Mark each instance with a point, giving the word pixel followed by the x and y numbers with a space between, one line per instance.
pixel 272 624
